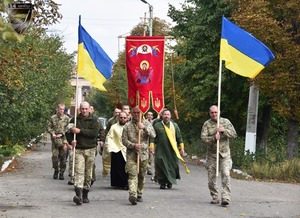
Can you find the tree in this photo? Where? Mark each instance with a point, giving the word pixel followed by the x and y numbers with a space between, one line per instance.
pixel 45 13
pixel 34 75
pixel 280 84
pixel 34 78
pixel 197 32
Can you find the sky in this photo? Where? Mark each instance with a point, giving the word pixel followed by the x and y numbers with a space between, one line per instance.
pixel 106 20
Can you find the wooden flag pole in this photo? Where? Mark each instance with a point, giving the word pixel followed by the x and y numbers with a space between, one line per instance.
pixel 139 141
pixel 75 123
pixel 138 156
pixel 173 89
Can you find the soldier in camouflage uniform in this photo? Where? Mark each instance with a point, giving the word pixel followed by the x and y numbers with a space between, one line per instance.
pixel 86 131
pixel 137 149
pixel 57 128
pixel 209 135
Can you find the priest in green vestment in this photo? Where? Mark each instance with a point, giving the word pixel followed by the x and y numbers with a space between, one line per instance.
pixel 169 149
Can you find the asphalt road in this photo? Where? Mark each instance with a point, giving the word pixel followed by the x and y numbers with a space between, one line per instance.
pixel 30 191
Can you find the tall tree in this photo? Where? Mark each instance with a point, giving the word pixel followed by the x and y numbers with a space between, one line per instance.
pixel 34 77
pixel 281 82
pixel 44 13
pixel 197 32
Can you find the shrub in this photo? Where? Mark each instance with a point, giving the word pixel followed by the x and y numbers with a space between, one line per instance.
pixel 8 151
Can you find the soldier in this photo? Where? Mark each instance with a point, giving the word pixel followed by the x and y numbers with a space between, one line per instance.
pixel 57 127
pixel 210 134
pixel 135 137
pixel 126 108
pixel 86 131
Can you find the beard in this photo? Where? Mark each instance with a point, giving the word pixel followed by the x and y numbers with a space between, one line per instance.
pixel 122 123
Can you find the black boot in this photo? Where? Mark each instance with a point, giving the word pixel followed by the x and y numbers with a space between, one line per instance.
pixel 85 193
pixel 78 198
pixel 61 176
pixel 55 175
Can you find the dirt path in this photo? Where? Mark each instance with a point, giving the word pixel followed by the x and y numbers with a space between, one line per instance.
pixel 30 191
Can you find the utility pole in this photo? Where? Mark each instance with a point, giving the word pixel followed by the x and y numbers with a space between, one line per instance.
pixel 151 16
pixel 144 22
pixel 250 143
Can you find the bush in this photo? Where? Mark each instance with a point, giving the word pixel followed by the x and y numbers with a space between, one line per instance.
pixel 268 164
pixel 196 147
pixel 240 158
pixel 8 151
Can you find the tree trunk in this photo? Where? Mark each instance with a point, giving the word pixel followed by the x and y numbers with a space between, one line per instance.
pixel 292 139
pixel 263 127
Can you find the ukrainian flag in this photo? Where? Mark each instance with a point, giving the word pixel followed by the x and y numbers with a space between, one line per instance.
pixel 243 54
pixel 93 63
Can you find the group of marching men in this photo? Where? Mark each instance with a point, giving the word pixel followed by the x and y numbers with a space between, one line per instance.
pixel 127 146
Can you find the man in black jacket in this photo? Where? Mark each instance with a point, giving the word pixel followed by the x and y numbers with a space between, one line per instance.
pixel 86 131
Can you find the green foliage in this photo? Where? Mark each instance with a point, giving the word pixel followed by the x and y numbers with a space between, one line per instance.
pixel 197 33
pixel 102 103
pixel 34 78
pixel 197 148
pixel 270 164
pixel 8 151
pixel 44 14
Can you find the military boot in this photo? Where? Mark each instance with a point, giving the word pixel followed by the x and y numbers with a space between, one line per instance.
pixel 85 193
pixel 55 175
pixel 78 197
pixel 61 176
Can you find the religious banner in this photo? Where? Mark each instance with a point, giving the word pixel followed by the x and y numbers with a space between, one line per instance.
pixel 145 71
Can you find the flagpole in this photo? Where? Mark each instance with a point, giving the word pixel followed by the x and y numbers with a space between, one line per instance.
pixel 218 120
pixel 76 108
pixel 75 123
pixel 139 138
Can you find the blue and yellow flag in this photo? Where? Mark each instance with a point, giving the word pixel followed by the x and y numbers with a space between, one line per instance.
pixel 243 54
pixel 93 63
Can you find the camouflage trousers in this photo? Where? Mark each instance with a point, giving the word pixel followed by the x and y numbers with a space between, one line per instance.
pixel 106 161
pixel 71 154
pixel 136 181
pixel 151 162
pixel 225 164
pixel 84 164
pixel 58 158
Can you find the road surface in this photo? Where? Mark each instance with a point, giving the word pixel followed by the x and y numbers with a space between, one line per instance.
pixel 30 191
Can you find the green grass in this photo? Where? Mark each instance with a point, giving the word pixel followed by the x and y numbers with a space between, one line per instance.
pixel 287 171
pixel 266 165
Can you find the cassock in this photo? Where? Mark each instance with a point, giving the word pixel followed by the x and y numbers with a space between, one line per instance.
pixel 118 177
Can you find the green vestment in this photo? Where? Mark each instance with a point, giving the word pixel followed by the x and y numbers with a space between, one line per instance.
pixel 166 161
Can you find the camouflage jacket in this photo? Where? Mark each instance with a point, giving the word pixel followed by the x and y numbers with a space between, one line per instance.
pixel 58 125
pixel 110 122
pixel 208 133
pixel 130 139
